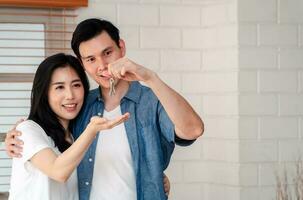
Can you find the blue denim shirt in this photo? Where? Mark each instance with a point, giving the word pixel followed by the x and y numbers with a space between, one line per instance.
pixel 150 134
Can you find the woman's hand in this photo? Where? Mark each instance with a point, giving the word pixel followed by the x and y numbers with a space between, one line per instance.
pixel 100 123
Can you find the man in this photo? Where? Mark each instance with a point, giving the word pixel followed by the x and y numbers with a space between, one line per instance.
pixel 127 162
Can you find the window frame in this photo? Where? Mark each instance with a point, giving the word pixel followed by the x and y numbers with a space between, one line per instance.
pixel 45 3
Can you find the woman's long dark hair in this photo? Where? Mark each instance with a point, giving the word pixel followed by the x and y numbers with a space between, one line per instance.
pixel 40 110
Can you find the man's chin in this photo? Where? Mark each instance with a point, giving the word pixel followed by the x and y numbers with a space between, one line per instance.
pixel 103 85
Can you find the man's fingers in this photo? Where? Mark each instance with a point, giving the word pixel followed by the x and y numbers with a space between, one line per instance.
pixel 11 138
pixel 123 71
pixel 14 155
pixel 17 123
pixel 166 184
pixel 12 134
pixel 16 141
pixel 16 149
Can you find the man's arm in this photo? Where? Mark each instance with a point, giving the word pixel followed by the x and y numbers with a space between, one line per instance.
pixel 188 124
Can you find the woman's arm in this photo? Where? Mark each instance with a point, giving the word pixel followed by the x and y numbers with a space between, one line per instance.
pixel 61 167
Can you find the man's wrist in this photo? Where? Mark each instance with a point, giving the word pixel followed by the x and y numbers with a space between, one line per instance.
pixel 153 77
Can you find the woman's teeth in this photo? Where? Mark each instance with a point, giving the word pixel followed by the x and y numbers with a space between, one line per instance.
pixel 70 105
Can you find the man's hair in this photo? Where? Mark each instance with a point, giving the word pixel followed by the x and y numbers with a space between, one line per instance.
pixel 91 28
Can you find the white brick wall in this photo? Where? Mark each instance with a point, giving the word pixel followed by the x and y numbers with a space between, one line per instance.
pixel 180 16
pixel 257 10
pixel 270 54
pixel 239 63
pixel 135 14
pixel 278 34
pixel 160 37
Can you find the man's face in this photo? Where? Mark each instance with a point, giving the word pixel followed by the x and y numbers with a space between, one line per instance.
pixel 97 53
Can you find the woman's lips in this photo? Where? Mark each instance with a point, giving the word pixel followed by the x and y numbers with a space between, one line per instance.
pixel 70 107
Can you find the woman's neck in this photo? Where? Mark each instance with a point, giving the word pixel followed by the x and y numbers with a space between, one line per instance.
pixel 68 137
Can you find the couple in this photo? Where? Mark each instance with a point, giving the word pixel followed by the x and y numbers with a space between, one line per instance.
pixel 138 126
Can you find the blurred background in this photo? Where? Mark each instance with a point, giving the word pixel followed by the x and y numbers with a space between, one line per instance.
pixel 238 62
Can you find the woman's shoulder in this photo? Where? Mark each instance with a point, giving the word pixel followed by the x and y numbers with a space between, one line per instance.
pixel 29 124
pixel 31 129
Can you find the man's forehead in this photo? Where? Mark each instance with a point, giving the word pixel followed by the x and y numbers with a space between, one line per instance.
pixel 97 44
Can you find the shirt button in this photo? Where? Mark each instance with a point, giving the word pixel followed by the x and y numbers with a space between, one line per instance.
pixel 90 159
pixel 99 114
pixel 99 98
pixel 86 183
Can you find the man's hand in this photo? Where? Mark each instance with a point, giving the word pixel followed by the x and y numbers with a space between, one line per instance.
pixel 128 70
pixel 13 145
pixel 166 184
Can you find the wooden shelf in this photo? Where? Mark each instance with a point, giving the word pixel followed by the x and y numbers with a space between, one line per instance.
pixel 45 3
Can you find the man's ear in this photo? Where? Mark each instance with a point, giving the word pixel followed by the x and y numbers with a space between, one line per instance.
pixel 122 47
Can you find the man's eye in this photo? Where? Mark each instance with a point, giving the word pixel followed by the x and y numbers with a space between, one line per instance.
pixel 90 60
pixel 107 53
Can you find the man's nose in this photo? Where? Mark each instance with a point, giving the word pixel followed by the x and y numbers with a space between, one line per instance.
pixel 102 64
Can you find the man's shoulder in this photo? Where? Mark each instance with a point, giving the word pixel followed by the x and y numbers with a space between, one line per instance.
pixel 93 93
pixel 92 96
pixel 147 94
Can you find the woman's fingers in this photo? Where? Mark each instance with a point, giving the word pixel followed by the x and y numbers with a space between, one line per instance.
pixel 104 123
pixel 117 121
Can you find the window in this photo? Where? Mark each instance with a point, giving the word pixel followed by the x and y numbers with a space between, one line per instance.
pixel 27 36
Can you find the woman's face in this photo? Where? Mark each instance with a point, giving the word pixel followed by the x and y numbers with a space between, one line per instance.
pixel 65 94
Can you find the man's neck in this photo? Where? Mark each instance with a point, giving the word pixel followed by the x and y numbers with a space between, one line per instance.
pixel 111 102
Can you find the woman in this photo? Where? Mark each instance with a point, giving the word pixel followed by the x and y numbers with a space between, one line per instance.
pixel 47 167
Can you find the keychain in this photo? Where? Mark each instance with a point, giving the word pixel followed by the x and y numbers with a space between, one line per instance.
pixel 112 90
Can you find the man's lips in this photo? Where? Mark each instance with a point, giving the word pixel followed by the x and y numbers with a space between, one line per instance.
pixel 105 74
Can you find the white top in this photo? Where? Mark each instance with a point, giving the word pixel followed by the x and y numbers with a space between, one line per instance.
pixel 114 177
pixel 29 183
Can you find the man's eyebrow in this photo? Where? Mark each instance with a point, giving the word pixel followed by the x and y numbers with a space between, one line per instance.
pixel 103 51
pixel 86 57
pixel 106 49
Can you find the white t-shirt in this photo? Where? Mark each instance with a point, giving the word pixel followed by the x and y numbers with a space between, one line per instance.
pixel 28 182
pixel 114 177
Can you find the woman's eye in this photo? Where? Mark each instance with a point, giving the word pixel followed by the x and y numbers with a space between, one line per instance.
pixel 77 85
pixel 59 87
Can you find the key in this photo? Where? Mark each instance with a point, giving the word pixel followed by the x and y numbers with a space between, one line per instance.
pixel 112 90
